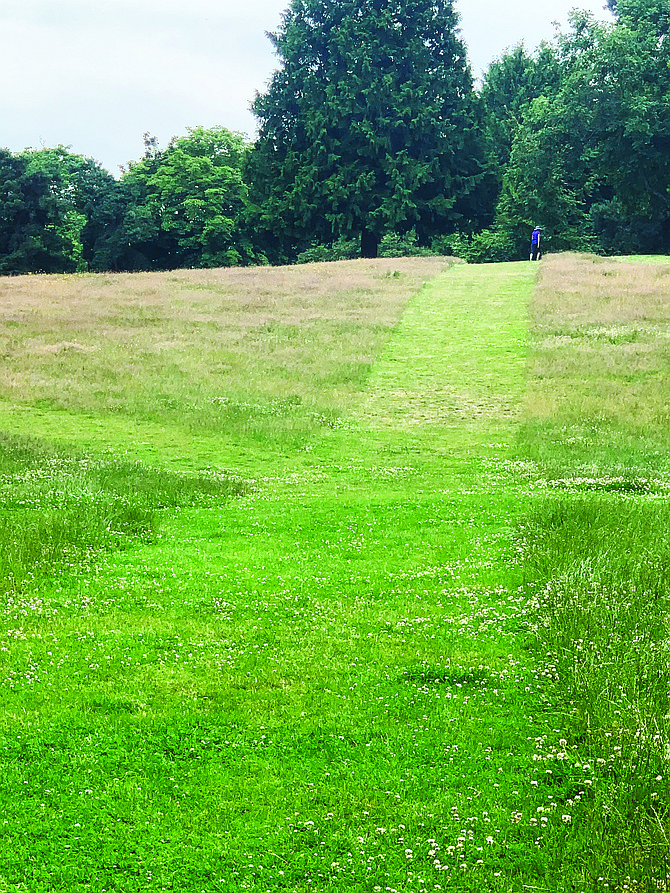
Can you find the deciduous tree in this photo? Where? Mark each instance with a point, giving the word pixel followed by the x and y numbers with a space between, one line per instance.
pixel 592 162
pixel 185 203
pixel 510 84
pixel 39 224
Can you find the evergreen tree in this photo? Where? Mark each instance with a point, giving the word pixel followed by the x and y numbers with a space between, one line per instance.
pixel 369 126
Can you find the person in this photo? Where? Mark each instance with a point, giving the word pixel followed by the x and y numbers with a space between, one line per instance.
pixel 535 253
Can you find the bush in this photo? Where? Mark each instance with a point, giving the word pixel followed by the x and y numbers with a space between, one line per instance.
pixel 616 232
pixel 395 245
pixel 489 246
pixel 343 249
pixel 391 245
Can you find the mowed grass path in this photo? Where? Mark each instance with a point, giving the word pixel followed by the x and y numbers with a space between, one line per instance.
pixel 324 684
pixel 458 356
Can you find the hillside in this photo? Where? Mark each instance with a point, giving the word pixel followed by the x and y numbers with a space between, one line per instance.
pixel 346 576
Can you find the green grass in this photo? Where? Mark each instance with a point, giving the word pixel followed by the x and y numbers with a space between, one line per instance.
pixel 333 652
pixel 59 505
pixel 597 549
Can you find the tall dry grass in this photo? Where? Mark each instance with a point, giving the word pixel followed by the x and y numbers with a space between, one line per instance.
pixel 601 331
pixel 148 343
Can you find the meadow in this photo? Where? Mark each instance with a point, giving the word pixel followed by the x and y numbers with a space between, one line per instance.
pixel 349 576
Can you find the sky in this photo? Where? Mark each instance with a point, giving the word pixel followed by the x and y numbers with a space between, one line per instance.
pixel 96 75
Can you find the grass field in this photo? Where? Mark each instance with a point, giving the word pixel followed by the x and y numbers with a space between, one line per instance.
pixel 349 577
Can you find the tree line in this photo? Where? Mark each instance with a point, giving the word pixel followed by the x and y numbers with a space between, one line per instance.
pixel 373 138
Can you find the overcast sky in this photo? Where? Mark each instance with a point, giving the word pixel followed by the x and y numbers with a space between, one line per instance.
pixel 97 74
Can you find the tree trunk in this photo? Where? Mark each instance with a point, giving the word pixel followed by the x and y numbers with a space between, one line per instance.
pixel 369 243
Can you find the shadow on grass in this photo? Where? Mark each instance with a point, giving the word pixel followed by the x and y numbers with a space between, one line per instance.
pixel 60 506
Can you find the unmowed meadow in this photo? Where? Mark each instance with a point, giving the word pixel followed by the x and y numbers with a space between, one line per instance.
pixel 348 576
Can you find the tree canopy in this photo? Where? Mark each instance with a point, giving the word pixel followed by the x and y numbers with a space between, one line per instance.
pixel 370 125
pixel 185 204
pixel 371 132
pixel 590 160
pixel 51 205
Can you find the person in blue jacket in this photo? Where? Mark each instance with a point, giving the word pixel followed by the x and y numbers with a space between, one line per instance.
pixel 535 253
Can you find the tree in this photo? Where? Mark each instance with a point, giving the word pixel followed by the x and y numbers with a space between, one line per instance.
pixel 647 15
pixel 630 70
pixel 511 83
pixel 369 126
pixel 36 228
pixel 185 204
pixel 592 163
pixel 54 211
pixel 85 194
pixel 548 180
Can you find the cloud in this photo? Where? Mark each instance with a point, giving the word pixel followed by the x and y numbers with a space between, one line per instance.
pixel 84 74
pixel 97 75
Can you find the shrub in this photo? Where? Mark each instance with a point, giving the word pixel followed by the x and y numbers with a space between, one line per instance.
pixel 395 245
pixel 391 245
pixel 488 246
pixel 342 249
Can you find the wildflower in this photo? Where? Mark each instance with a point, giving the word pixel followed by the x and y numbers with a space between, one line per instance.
pixel 566 818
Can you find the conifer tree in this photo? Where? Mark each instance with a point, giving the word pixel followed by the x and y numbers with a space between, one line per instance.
pixel 369 126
